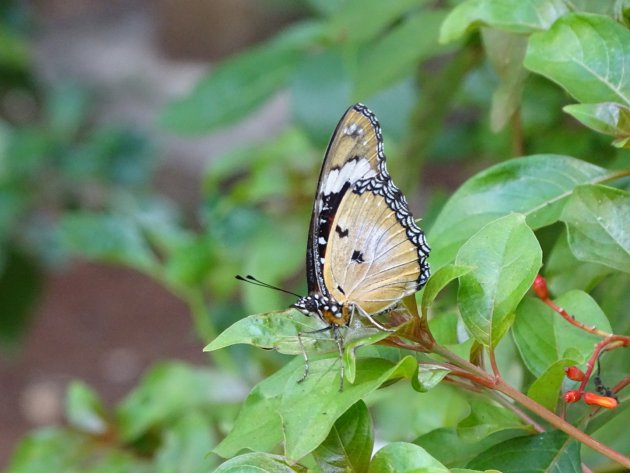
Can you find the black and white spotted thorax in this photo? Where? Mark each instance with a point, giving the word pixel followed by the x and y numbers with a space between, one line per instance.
pixel 318 304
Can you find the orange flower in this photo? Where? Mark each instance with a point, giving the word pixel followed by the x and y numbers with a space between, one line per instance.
pixel 574 373
pixel 593 399
pixel 572 396
pixel 540 287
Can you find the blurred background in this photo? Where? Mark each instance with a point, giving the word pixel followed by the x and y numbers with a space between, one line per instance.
pixel 151 150
pixel 100 72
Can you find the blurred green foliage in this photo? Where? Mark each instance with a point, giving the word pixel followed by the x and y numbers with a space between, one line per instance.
pixel 461 88
pixel 53 159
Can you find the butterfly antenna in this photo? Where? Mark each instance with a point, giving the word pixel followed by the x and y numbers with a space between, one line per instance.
pixel 257 282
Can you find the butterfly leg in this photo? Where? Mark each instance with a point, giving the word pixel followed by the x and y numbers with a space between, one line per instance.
pixel 299 337
pixel 371 319
pixel 306 367
pixel 339 340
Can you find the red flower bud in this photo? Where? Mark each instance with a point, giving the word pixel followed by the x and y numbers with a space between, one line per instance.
pixel 572 396
pixel 574 373
pixel 593 399
pixel 540 287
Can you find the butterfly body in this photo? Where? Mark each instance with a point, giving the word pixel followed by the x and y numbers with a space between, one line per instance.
pixel 365 252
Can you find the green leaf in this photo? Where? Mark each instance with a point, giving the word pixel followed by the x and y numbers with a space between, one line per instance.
pixel 438 281
pixel 452 450
pixel 486 419
pixel 348 447
pixel 258 463
pixel 238 86
pixel 385 62
pixel 357 337
pixel 536 186
pixel 279 331
pixel 506 257
pixel 514 16
pixel 275 330
pixel 585 54
pixel 546 389
pixel 429 376
pixel 170 389
pixel 185 445
pixel 84 409
pixel 284 408
pixel 400 457
pixel 608 118
pixel 598 225
pixel 564 272
pixel 549 451
pixel 314 405
pixel 543 337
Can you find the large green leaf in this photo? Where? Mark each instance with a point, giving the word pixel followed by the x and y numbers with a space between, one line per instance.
pixel 549 451
pixel 398 52
pixel 543 337
pixel 598 225
pixel 587 55
pixel 348 447
pixel 241 84
pixel 506 257
pixel 514 16
pixel 400 457
pixel 286 409
pixel 536 186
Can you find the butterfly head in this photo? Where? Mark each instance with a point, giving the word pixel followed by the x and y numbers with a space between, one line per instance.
pixel 325 308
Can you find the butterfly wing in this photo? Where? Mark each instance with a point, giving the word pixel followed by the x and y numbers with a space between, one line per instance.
pixel 352 155
pixel 381 258
pixel 375 254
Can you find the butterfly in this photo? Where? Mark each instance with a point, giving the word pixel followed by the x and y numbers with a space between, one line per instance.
pixel 365 252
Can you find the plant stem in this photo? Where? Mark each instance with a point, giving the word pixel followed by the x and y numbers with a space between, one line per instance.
pixel 533 406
